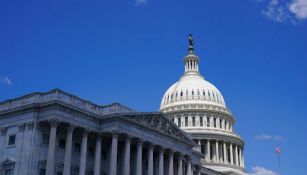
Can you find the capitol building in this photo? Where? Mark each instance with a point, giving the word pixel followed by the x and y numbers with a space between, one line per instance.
pixel 58 133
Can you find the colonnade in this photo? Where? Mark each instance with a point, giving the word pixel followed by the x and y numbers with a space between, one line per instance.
pixel 222 152
pixel 183 162
pixel 210 121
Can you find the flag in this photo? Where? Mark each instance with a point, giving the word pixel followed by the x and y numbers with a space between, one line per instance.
pixel 277 149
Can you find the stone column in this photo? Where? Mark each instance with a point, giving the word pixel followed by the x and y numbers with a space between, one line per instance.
pixel 139 161
pixel 50 168
pixel 161 161
pixel 240 156
pixel 231 154
pixel 225 153
pixel 243 164
pixel 83 156
pixel 68 149
pixel 189 167
pixel 150 159
pixel 223 124
pixel 211 121
pixel 218 123
pixel 97 155
pixel 127 156
pixel 180 165
pixel 113 160
pixel 208 151
pixel 217 151
pixel 171 163
pixel 227 125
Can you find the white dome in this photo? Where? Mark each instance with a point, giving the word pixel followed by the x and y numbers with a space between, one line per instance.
pixel 192 88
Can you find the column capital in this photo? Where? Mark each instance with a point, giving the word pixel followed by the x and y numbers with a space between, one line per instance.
pixel 188 159
pixel 170 151
pixel 139 141
pixel 70 127
pixel 54 122
pixel 115 131
pixel 161 149
pixel 85 132
pixel 150 145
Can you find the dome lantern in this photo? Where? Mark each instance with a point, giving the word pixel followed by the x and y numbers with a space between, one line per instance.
pixel 191 60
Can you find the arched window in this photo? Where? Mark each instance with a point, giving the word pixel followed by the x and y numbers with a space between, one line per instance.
pixel 192 92
pixel 181 93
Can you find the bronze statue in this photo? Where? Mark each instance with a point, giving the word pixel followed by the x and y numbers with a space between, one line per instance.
pixel 191 41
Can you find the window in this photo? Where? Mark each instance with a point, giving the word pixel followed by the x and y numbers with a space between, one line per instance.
pixel 181 93
pixel 221 125
pixel 77 147
pixel 186 121
pixel 193 121
pixel 192 92
pixel 201 121
pixel 42 171
pixel 46 139
pixel 8 172
pixel 12 139
pixel 214 122
pixel 179 121
pixel 208 122
pixel 91 151
pixel 62 143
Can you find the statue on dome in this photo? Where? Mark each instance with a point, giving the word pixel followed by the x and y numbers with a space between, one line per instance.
pixel 191 40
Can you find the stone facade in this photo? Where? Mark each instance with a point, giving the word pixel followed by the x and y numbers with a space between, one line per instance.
pixel 59 133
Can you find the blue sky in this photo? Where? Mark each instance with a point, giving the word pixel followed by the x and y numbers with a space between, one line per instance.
pixel 131 51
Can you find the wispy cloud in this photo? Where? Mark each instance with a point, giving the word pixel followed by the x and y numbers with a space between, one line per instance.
pixel 257 170
pixel 299 8
pixel 282 11
pixel 270 137
pixel 6 80
pixel 140 2
pixel 276 12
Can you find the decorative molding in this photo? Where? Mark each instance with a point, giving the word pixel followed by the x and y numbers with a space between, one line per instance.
pixel 38 99
pixel 160 123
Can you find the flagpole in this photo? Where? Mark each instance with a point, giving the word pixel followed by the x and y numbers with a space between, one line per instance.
pixel 278 155
pixel 279 162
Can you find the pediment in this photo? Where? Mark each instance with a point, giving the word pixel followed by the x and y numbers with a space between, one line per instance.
pixel 159 122
pixel 7 162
